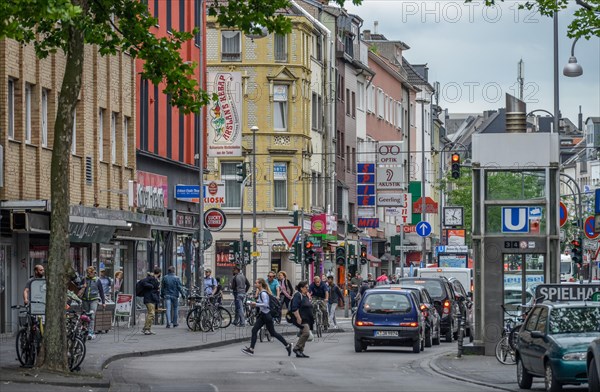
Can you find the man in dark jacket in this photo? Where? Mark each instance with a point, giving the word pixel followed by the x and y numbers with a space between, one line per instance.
pixel 151 298
pixel 170 289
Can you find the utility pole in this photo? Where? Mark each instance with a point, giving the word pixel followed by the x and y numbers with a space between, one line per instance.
pixel 254 129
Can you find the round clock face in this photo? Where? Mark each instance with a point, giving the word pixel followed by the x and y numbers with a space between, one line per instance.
pixel 453 216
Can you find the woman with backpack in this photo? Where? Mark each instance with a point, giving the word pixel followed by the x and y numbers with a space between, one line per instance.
pixel 266 305
pixel 287 290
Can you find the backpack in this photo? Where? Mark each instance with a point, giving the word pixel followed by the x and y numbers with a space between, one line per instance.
pixel 274 305
pixel 139 288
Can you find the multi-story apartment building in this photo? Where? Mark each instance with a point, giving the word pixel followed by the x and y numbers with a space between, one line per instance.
pixel 102 162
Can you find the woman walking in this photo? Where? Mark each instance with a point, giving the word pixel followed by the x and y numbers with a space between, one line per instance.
pixel 264 318
pixel 286 289
pixel 302 316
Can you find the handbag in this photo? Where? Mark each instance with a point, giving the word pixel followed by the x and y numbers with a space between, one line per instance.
pixel 311 337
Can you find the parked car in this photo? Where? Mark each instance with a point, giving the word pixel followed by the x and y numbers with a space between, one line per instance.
pixel 432 317
pixel 593 366
pixel 466 304
pixel 445 302
pixel 553 342
pixel 389 317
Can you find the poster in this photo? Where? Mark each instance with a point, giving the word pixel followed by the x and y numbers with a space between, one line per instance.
pixel 224 122
pixel 123 305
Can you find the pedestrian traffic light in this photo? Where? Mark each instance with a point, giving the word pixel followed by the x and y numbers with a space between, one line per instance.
pixel 234 249
pixel 309 252
pixel 340 255
pixel 455 165
pixel 294 220
pixel 240 172
pixel 247 248
pixel 363 254
pixel 576 253
pixel 295 256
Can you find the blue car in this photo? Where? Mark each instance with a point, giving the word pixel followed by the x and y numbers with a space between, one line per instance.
pixel 553 342
pixel 389 317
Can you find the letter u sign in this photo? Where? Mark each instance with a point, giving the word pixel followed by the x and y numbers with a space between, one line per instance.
pixel 515 220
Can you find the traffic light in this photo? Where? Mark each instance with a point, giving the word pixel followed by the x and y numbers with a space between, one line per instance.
pixel 294 220
pixel 247 248
pixel 309 252
pixel 240 172
pixel 340 255
pixel 295 256
pixel 455 165
pixel 363 254
pixel 576 253
pixel 234 249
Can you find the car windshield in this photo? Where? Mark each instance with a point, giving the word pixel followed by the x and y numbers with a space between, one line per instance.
pixel 387 303
pixel 574 320
pixel 434 287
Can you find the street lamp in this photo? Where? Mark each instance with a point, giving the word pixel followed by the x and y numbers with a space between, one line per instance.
pixel 423 101
pixel 254 129
pixel 573 69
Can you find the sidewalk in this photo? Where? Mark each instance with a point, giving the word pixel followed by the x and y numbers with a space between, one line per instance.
pixel 124 342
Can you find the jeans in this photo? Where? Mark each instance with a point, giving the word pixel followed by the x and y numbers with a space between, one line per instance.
pixel 172 302
pixel 151 308
pixel 239 309
pixel 331 309
pixel 265 319
pixel 91 306
pixel 353 298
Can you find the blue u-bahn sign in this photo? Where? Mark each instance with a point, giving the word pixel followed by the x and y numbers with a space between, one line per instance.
pixel 515 220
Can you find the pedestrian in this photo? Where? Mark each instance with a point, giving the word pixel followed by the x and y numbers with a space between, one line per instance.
pixel 264 318
pixel 106 284
pixel 91 294
pixel 287 290
pixel 239 288
pixel 170 289
pixel 210 283
pixel 371 282
pixel 118 283
pixel 151 298
pixel 302 316
pixel 382 279
pixel 335 294
pixel 355 283
pixel 273 284
pixel 38 273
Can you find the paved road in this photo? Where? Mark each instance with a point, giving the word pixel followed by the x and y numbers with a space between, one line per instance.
pixel 333 366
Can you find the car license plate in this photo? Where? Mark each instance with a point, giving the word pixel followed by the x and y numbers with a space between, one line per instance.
pixel 386 333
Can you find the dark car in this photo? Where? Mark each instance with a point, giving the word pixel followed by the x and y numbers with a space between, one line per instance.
pixel 466 302
pixel 553 343
pixel 444 298
pixel 432 317
pixel 593 366
pixel 389 317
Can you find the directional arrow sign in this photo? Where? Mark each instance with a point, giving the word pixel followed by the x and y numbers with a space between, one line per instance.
pixel 423 229
pixel 289 234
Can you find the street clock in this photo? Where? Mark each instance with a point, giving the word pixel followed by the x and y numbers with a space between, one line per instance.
pixel 453 216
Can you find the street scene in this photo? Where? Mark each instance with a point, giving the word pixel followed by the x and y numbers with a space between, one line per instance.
pixel 261 195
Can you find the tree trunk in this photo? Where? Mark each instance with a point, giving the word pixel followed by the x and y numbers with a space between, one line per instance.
pixel 54 351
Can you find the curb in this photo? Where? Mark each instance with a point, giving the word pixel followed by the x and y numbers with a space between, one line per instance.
pixel 453 376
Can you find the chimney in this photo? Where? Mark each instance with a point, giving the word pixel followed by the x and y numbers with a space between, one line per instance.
pixel 516 115
pixel 580 120
pixel 366 35
pixel 375 26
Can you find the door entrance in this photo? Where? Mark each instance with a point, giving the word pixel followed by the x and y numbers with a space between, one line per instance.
pixel 522 273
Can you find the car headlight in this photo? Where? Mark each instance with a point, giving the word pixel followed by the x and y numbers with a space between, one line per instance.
pixel 577 356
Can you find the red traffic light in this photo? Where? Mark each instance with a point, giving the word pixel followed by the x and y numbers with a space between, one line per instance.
pixel 308 244
pixel 455 158
pixel 575 243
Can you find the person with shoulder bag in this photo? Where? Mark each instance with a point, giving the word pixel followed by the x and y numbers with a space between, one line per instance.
pixel 265 318
pixel 91 293
pixel 301 310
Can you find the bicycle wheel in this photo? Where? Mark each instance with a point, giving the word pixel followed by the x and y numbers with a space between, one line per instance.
pixel 504 354
pixel 25 351
pixel 193 319
pixel 225 317
pixel 75 352
pixel 207 320
pixel 319 324
pixel 250 316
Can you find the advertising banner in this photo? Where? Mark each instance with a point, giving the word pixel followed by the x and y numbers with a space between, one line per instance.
pixel 224 123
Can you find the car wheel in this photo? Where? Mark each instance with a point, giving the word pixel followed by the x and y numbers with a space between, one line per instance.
pixel 552 385
pixel 593 377
pixel 428 338
pixel 417 346
pixel 359 346
pixel 524 379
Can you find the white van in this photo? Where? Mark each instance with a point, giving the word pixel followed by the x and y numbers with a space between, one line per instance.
pixel 464 275
pixel 566 269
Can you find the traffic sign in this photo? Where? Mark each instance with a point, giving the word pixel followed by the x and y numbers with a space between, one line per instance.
pixel 563 214
pixel 423 229
pixel 515 220
pixel 589 228
pixel 289 234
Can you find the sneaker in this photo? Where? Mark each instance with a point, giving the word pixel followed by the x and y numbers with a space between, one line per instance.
pixel 248 351
pixel 149 333
pixel 91 336
pixel 175 325
pixel 168 326
pixel 289 349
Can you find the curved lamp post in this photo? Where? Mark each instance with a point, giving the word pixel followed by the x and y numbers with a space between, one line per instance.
pixel 573 68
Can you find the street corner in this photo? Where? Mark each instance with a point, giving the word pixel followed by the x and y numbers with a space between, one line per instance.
pixel 19 375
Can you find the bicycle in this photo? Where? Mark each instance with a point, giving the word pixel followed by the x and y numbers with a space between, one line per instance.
pixel 207 315
pixel 319 325
pixel 29 337
pixel 77 330
pixel 505 348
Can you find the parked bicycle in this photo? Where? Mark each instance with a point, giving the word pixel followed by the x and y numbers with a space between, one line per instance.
pixel 207 315
pixel 29 337
pixel 77 331
pixel 505 348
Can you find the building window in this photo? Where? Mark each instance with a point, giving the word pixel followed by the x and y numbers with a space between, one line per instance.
pixel 100 134
pixel 380 103
pixel 353 104
pixel 360 96
pixel 156 9
pixel 74 133
pixel 319 48
pixel 44 121
pixel 28 92
pixel 371 99
pixel 353 166
pixel 231 45
pixel 280 107
pixel 347 102
pixel 11 109
pixel 197 10
pixel 280 185
pixel 113 137
pixel 232 187
pixel 125 140
pixel 169 16
pixel 280 47
pixel 317 112
pixel 348 160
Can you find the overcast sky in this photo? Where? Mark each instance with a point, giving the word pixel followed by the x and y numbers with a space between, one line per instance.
pixel 473 52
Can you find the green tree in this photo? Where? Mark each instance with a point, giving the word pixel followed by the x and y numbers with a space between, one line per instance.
pixel 112 25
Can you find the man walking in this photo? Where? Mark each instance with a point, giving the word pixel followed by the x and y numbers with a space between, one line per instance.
pixel 91 293
pixel 151 298
pixel 170 289
pixel 355 283
pixel 38 273
pixel 335 294
pixel 239 288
